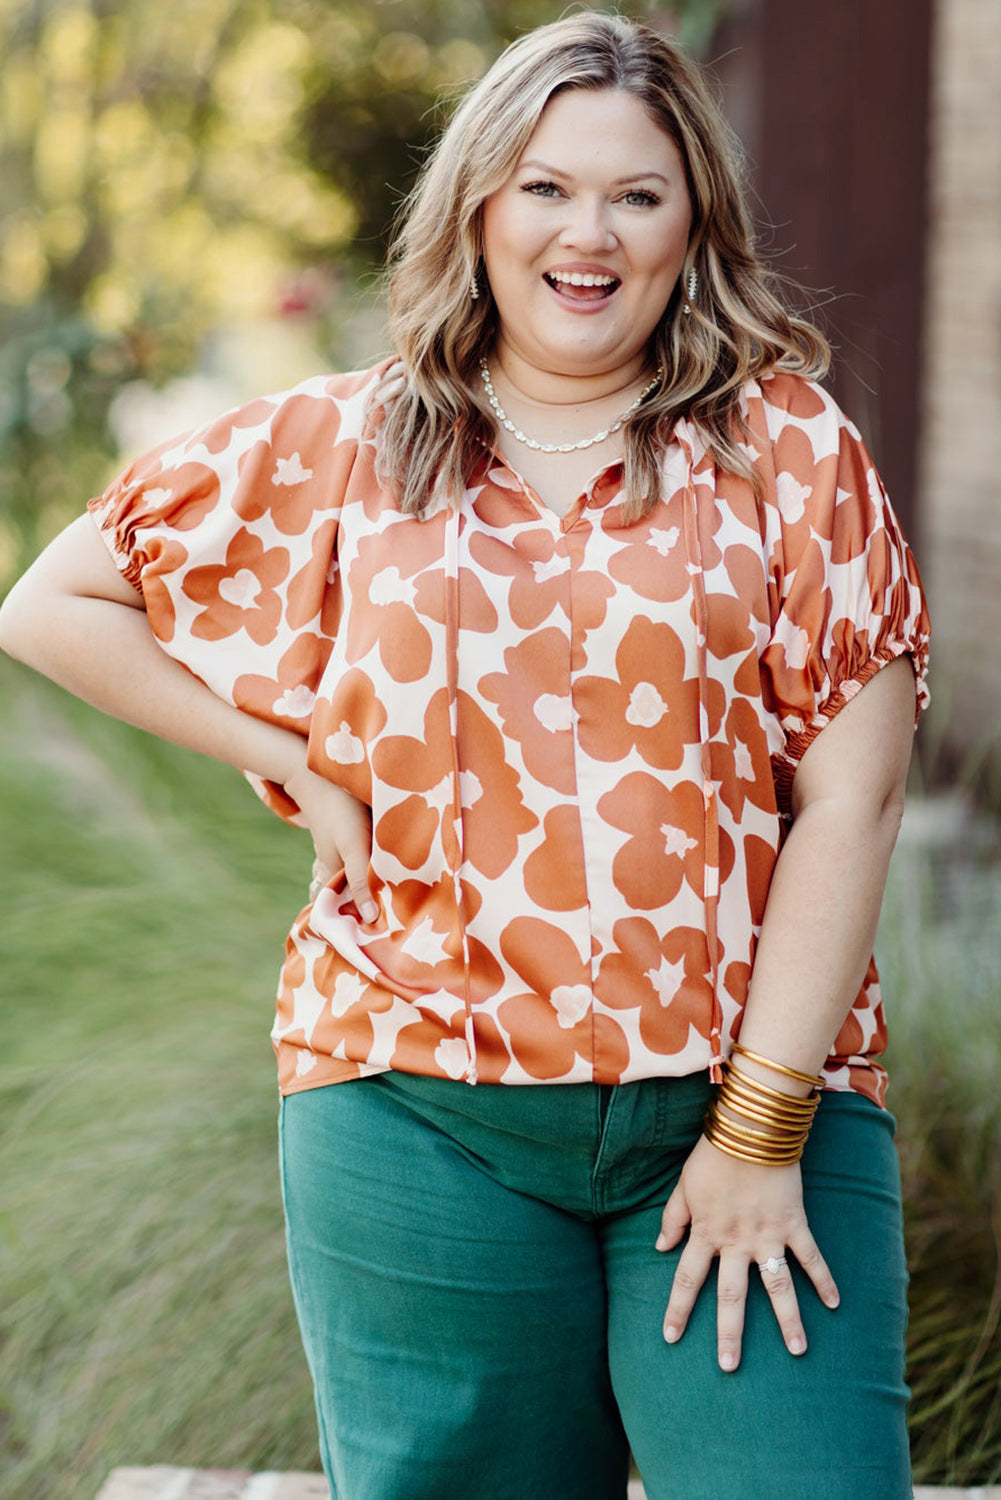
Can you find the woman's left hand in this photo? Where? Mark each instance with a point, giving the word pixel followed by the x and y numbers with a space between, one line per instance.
pixel 745 1214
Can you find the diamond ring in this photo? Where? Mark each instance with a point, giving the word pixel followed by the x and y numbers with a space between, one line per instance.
pixel 773 1265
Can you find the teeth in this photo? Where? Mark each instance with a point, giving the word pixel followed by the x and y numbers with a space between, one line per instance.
pixel 581 278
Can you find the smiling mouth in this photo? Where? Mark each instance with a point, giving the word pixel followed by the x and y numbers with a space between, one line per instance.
pixel 580 286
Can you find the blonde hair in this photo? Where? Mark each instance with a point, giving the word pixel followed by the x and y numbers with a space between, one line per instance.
pixel 432 426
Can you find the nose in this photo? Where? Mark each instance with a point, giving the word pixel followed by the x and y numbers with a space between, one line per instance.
pixel 588 226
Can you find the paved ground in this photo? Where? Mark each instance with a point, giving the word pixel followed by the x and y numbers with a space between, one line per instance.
pixel 163 1483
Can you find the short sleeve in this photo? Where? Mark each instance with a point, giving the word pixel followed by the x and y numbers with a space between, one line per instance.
pixel 845 593
pixel 230 534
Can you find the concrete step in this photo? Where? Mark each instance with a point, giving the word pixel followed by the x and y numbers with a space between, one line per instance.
pixel 163 1483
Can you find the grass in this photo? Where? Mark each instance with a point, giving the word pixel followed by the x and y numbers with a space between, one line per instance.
pixel 940 955
pixel 144 1310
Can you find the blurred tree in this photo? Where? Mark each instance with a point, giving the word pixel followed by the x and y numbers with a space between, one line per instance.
pixel 166 170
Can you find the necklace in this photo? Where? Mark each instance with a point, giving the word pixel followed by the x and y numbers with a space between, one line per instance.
pixel 599 437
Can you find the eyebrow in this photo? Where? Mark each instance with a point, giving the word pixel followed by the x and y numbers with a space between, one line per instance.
pixel 619 181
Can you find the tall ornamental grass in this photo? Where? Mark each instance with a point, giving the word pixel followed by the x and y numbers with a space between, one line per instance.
pixel 940 956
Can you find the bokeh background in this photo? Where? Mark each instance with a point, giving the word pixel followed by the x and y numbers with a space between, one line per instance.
pixel 194 206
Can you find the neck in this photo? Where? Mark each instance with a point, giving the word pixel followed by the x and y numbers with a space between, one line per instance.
pixel 547 388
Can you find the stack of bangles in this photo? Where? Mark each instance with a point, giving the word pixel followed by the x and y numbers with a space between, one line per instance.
pixel 755 1123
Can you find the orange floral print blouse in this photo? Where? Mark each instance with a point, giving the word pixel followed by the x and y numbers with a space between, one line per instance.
pixel 577 736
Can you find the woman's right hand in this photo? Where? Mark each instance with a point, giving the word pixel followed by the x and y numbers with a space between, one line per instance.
pixel 341 828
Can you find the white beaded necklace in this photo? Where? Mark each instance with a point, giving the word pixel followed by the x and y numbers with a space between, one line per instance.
pixel 599 437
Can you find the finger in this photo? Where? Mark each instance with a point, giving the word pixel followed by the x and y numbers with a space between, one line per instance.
pixel 777 1282
pixel 356 854
pixel 731 1299
pixel 322 874
pixel 689 1279
pixel 804 1247
pixel 674 1220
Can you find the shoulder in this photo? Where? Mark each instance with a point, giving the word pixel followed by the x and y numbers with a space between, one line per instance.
pixel 326 407
pixel 782 402
pixel 797 423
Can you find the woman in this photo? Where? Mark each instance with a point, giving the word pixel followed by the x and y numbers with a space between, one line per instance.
pixel 536 627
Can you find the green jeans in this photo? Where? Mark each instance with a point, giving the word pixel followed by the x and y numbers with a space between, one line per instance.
pixel 481 1302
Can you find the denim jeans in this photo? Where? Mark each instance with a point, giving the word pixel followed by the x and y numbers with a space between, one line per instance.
pixel 481 1302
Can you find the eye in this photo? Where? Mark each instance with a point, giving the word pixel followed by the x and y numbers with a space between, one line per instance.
pixel 541 189
pixel 641 198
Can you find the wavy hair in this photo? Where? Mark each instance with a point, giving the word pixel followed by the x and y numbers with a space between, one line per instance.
pixel 434 422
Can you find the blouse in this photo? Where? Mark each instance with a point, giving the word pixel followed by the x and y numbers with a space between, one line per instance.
pixel 577 736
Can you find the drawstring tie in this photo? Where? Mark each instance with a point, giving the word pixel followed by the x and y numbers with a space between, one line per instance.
pixel 688 436
pixel 456 851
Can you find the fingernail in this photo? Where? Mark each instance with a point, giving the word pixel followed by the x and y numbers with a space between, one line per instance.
pixel 797 1345
pixel 369 911
pixel 661 1241
pixel 833 1299
pixel 671 1334
pixel 728 1361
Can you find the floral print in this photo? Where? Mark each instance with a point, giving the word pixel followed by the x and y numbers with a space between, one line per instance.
pixel 577 736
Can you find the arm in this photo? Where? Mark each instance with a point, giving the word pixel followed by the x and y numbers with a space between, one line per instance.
pixel 816 939
pixel 75 619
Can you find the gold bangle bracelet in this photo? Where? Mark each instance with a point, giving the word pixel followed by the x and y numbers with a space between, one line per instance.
pixel 755 1111
pixel 738 1101
pixel 755 1158
pixel 760 1131
pixel 780 1129
pixel 787 1151
pixel 734 1087
pixel 767 1062
pixel 763 1140
pixel 733 1070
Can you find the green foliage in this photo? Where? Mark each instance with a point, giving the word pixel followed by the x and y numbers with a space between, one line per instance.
pixel 144 1311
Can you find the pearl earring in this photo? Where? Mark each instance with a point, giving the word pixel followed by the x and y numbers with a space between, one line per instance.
pixel 474 287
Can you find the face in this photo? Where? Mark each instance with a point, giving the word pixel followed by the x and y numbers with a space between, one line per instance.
pixel 585 242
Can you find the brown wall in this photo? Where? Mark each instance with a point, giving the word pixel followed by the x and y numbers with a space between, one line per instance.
pixel 960 424
pixel 831 101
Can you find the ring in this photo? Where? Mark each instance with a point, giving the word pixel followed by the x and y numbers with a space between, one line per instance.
pixel 773 1265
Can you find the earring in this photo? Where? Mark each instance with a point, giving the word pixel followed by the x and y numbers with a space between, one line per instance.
pixel 692 288
pixel 474 287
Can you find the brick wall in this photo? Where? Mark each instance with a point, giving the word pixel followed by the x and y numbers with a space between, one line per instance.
pixel 960 438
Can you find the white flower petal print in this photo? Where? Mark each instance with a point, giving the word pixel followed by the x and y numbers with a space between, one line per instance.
pixel 676 840
pixel 387 587
pixel 795 643
pixel 344 747
pixel 543 571
pixel 792 496
pixel 243 589
pixel 470 788
pixel 743 763
pixel 289 471
pixel 571 1003
pixel 295 703
pixel 646 706
pixel 667 980
pixel 452 1056
pixel 663 539
pixel 348 989
pixel 424 944
pixel 553 712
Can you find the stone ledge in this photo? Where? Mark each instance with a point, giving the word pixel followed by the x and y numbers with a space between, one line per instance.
pixel 164 1483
